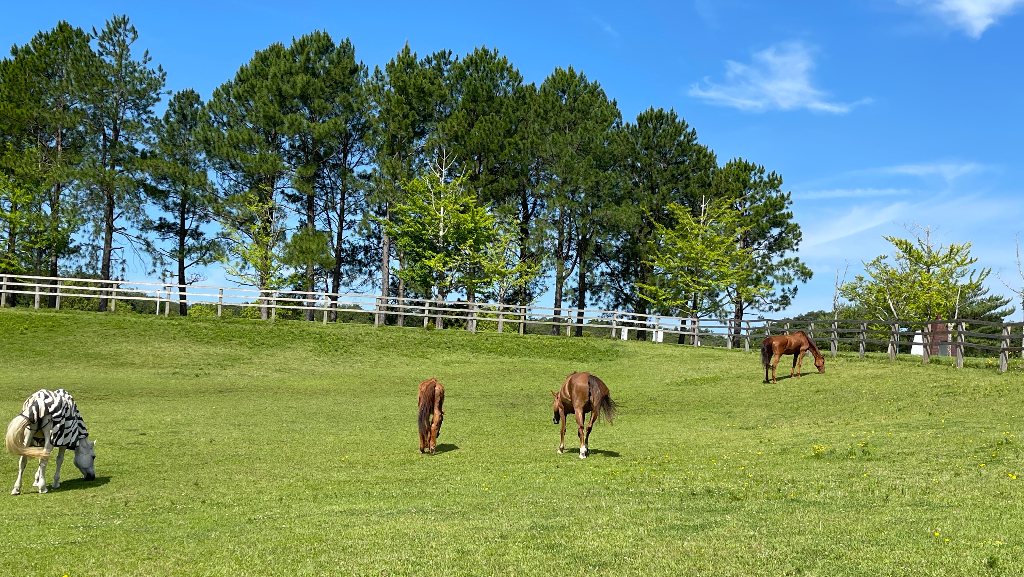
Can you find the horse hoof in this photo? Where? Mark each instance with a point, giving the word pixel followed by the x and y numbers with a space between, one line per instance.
pixel 55 485
pixel 560 451
pixel 583 455
pixel 43 490
pixel 16 492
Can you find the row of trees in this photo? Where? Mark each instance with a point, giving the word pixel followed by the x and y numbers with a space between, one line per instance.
pixel 308 171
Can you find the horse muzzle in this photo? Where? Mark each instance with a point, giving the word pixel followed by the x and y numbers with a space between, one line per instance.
pixel 90 477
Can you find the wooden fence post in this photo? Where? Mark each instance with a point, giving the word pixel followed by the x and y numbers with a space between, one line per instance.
pixel 863 339
pixel 501 318
pixel 835 338
pixel 746 338
pixel 273 305
pixel 426 313
pixel 894 331
pixel 37 296
pixel 787 328
pixel 522 321
pixel 327 305
pixel 728 334
pixel 113 300
pixel 158 302
pixel 926 341
pixel 810 331
pixel 471 319
pixel 57 300
pixel 3 293
pixel 696 332
pixel 167 305
pixel 1004 341
pixel 961 327
pixel 614 316
pixel 220 302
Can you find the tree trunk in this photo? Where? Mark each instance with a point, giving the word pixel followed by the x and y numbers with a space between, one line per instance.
pixel 108 243
pixel 338 255
pixel 737 321
pixel 310 270
pixel 582 248
pixel 385 266
pixel 182 237
pixel 559 278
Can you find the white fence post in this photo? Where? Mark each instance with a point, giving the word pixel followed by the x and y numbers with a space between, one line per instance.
pixel 158 302
pixel 522 321
pixel 501 317
pixel 37 296
pixel 746 338
pixel 57 300
pixel 220 302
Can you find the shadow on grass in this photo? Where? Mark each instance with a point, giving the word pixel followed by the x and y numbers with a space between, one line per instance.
pixel 445 448
pixel 602 452
pixel 80 483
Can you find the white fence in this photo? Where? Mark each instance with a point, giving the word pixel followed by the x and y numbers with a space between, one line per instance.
pixel 515 318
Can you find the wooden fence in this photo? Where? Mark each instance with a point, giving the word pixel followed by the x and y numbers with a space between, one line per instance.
pixel 890 334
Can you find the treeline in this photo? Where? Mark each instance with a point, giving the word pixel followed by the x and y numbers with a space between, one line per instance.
pixel 296 173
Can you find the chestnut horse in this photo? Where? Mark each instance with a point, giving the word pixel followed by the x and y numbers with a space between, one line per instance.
pixel 795 344
pixel 431 401
pixel 582 393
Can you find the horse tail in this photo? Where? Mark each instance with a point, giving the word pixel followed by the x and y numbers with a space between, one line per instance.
pixel 606 405
pixel 16 439
pixel 766 353
pixel 426 401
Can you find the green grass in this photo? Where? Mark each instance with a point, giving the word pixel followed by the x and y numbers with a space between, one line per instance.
pixel 251 448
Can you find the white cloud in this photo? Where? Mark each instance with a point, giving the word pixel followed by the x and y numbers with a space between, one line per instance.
pixel 607 28
pixel 854 219
pixel 947 170
pixel 973 16
pixel 778 78
pixel 851 193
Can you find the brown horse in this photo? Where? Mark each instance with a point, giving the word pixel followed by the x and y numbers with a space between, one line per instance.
pixel 582 393
pixel 795 344
pixel 431 401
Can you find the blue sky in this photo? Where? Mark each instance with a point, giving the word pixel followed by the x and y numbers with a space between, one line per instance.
pixel 877 113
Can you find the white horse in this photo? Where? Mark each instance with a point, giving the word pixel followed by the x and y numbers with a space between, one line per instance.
pixel 50 419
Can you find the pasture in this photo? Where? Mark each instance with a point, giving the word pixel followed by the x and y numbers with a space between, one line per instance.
pixel 236 447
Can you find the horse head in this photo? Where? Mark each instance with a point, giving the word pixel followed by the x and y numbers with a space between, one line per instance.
pixel 555 406
pixel 85 459
pixel 819 362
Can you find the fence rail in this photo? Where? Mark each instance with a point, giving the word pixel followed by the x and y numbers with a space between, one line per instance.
pixel 893 334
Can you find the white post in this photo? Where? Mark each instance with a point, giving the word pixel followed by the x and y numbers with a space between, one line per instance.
pixel 158 302
pixel 273 310
pixel 57 301
pixel 37 295
pixel 625 333
pixel 220 302
pixel 426 313
pixel 501 317
pixel 167 304
pixel 327 302
pixel 522 321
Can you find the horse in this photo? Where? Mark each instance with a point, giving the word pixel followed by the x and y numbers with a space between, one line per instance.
pixel 582 393
pixel 50 419
pixel 431 415
pixel 795 344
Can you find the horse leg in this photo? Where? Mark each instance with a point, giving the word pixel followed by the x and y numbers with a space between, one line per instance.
pixel 22 462
pixel 775 363
pixel 794 365
pixel 581 420
pixel 40 481
pixel 56 468
pixel 590 427
pixel 435 430
pixel 561 445
pixel 798 359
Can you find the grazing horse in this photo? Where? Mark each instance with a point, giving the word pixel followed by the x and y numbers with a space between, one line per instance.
pixel 431 401
pixel 582 393
pixel 50 419
pixel 795 344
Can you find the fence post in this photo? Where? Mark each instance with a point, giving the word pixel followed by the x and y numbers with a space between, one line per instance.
pixel 787 328
pixel 37 295
pixel 3 293
pixel 894 332
pixel 960 328
pixel 220 302
pixel 1004 340
pixel 835 338
pixel 113 299
pixel 157 302
pixel 167 304
pixel 810 331
pixel 471 319
pixel 426 313
pixel 273 305
pixel 746 338
pixel 614 316
pixel 696 332
pixel 863 339
pixel 522 321
pixel 57 300
pixel 926 341
pixel 501 318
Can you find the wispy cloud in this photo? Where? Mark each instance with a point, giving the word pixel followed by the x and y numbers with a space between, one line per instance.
pixel 606 27
pixel 947 170
pixel 777 78
pixel 973 16
pixel 854 220
pixel 851 193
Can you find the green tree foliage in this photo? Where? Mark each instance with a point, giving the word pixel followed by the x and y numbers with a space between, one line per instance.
pixel 44 88
pixel 658 162
pixel 698 259
pixel 122 93
pixel 922 281
pixel 182 194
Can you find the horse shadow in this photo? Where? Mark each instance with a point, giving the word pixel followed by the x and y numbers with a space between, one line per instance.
pixel 602 452
pixel 79 483
pixel 445 448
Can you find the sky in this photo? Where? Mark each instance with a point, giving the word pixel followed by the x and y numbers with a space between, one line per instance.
pixel 879 114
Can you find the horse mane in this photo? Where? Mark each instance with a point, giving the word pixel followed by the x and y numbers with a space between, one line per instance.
pixel 814 347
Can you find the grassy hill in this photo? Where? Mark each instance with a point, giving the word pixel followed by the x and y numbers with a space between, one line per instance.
pixel 250 448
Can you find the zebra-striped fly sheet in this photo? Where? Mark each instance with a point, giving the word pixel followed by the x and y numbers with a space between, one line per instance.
pixel 56 407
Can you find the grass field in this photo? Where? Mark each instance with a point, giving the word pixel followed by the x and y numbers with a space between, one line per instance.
pixel 251 448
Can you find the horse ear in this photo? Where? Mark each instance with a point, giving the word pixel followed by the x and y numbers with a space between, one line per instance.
pixel 554 393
